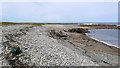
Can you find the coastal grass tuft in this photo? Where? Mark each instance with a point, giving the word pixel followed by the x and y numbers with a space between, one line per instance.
pixel 11 23
pixel 101 26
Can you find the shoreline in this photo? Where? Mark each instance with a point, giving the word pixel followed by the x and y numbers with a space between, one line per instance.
pixel 58 48
pixel 102 41
pixel 99 52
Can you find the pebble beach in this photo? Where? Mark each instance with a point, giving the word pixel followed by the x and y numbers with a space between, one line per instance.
pixel 28 45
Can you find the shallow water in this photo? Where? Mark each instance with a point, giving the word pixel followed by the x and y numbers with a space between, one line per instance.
pixel 108 36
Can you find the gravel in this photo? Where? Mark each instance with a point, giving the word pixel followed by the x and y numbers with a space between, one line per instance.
pixel 41 49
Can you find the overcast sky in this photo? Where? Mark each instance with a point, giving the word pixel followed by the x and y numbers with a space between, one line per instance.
pixel 59 0
pixel 60 12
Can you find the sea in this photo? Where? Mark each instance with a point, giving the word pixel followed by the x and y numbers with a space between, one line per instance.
pixel 107 36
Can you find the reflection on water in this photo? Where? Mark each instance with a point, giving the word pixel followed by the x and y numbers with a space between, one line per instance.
pixel 109 36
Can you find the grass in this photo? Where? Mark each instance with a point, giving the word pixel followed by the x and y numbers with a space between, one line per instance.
pixel 101 26
pixel 11 23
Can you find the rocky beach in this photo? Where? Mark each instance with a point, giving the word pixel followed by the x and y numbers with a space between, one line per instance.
pixel 52 45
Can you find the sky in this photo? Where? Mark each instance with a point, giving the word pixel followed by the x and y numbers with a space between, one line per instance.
pixel 60 12
pixel 59 0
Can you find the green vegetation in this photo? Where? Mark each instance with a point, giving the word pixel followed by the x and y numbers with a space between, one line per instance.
pixel 11 23
pixel 101 26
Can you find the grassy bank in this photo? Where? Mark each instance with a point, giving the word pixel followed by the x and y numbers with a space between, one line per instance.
pixel 101 26
pixel 11 23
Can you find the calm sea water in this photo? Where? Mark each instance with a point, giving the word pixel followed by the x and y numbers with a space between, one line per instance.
pixel 108 36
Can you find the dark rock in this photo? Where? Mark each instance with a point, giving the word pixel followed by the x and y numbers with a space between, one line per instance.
pixel 78 30
pixel 57 34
